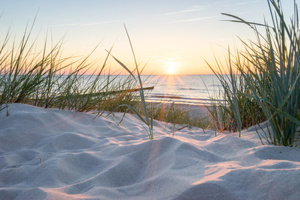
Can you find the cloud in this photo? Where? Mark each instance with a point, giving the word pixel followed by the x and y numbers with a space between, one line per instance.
pixel 194 19
pixel 239 3
pixel 193 9
pixel 86 24
pixel 242 3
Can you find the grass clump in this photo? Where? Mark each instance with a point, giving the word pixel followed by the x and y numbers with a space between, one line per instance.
pixel 268 77
pixel 147 119
pixel 46 79
pixel 236 111
pixel 178 116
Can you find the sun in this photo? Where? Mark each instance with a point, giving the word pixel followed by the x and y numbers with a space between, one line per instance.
pixel 171 67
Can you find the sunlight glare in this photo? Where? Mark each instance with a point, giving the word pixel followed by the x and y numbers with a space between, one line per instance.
pixel 171 67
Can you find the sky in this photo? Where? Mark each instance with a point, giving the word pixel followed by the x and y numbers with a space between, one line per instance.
pixel 171 36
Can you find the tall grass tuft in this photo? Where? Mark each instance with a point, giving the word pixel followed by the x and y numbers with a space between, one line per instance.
pixel 270 74
pixel 148 120
pixel 236 112
pixel 47 79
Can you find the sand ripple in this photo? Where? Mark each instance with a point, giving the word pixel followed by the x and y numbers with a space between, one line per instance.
pixel 54 154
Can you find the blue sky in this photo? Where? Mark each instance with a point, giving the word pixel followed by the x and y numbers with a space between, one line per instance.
pixel 181 33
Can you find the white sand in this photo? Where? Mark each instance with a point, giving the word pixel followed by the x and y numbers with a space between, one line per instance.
pixel 84 158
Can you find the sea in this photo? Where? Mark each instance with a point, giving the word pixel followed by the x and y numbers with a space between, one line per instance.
pixel 183 89
pixel 179 89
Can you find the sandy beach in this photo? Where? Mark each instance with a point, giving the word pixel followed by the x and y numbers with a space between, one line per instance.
pixel 56 154
pixel 199 111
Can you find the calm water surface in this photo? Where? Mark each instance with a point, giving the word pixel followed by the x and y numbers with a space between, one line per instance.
pixel 184 89
pixel 187 89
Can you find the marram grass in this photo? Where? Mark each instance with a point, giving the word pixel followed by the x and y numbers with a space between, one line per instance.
pixel 44 78
pixel 147 119
pixel 269 72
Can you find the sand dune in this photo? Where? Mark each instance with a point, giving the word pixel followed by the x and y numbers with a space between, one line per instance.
pixel 55 154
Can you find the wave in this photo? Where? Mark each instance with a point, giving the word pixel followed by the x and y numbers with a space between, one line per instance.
pixel 182 98
pixel 194 89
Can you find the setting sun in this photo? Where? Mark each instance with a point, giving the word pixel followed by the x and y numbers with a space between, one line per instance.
pixel 171 67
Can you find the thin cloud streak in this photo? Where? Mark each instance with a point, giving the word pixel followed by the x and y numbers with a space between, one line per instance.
pixel 242 3
pixel 193 9
pixel 193 20
pixel 237 4
pixel 85 24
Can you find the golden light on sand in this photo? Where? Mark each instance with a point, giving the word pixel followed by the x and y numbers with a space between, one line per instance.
pixel 171 67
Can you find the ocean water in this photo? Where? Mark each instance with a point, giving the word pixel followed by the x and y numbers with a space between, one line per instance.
pixel 180 89
pixel 184 89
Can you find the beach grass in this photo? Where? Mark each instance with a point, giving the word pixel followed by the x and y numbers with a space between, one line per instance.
pixel 46 79
pixel 145 116
pixel 236 112
pixel 263 81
